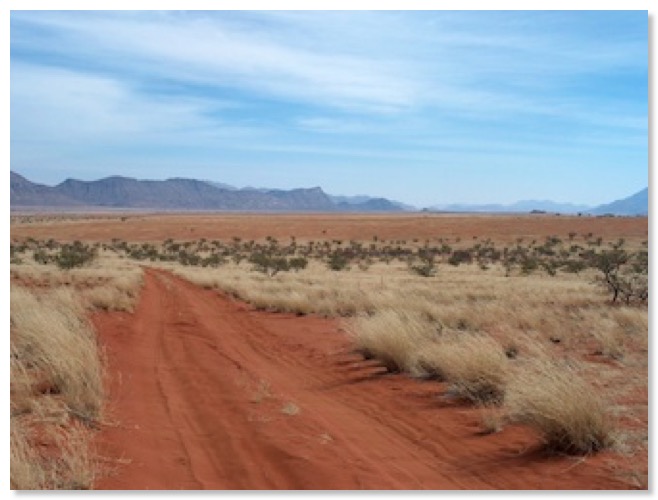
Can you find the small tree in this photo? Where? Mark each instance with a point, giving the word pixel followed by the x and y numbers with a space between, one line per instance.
pixel 610 262
pixel 268 264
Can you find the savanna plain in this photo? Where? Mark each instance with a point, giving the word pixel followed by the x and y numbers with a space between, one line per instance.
pixel 285 351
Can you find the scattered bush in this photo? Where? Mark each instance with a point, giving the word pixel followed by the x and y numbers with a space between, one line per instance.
pixel 338 262
pixel 460 257
pixel 268 264
pixel 426 267
pixel 74 255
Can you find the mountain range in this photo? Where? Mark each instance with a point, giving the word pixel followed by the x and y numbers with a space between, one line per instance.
pixel 636 204
pixel 191 194
pixel 183 194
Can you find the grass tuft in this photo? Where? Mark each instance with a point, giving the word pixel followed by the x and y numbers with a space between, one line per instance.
pixel 556 401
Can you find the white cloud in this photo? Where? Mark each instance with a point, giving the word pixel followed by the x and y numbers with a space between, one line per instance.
pixel 209 51
pixel 58 106
pixel 374 62
pixel 357 88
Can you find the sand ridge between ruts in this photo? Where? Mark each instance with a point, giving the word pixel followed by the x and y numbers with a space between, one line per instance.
pixel 207 393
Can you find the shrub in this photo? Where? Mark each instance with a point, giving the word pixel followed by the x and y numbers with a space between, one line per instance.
pixel 298 263
pixel 41 257
pixel 529 264
pixel 426 267
pixel 338 262
pixel 268 264
pixel 74 255
pixel 573 266
pixel 624 274
pixel 460 257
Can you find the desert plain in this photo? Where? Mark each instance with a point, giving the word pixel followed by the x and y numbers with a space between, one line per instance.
pixel 329 352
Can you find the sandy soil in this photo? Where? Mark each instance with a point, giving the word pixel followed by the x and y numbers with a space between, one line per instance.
pixel 158 227
pixel 206 393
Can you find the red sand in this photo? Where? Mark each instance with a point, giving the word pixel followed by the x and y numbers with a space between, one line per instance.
pixel 204 390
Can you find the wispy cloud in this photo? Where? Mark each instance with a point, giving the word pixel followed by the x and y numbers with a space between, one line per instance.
pixel 213 52
pixel 365 88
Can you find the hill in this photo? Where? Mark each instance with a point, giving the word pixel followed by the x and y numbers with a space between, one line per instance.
pixel 636 204
pixel 29 194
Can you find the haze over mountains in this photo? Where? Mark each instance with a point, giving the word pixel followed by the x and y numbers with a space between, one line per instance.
pixel 190 194
pixel 519 206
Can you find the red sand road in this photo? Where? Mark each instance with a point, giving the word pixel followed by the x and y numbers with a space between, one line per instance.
pixel 206 393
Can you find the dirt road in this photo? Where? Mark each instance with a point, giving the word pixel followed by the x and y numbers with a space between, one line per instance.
pixel 206 393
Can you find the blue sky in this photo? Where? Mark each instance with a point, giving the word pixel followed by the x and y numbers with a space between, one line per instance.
pixel 423 107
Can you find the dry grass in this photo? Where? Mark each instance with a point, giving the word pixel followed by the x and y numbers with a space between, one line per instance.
pixel 56 390
pixel 393 337
pixel 57 369
pixel 109 283
pixel 474 365
pixel 554 399
pixel 459 326
pixel 52 341
pixel 35 467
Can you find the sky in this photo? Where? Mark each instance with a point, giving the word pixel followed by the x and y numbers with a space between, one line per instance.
pixel 423 107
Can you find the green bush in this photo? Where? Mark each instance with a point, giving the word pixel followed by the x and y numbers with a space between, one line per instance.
pixel 74 255
pixel 338 262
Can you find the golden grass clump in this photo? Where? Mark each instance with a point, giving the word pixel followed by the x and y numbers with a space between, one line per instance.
pixel 56 390
pixel 32 468
pixel 555 400
pixel 394 337
pixel 474 365
pixel 52 342
pixel 109 298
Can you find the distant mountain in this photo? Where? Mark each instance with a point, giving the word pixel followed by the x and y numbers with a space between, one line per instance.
pixel 350 200
pixel 371 205
pixel 29 194
pixel 221 185
pixel 518 207
pixel 636 204
pixel 187 194
pixel 120 192
pixel 302 199
pixel 374 204
pixel 178 194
